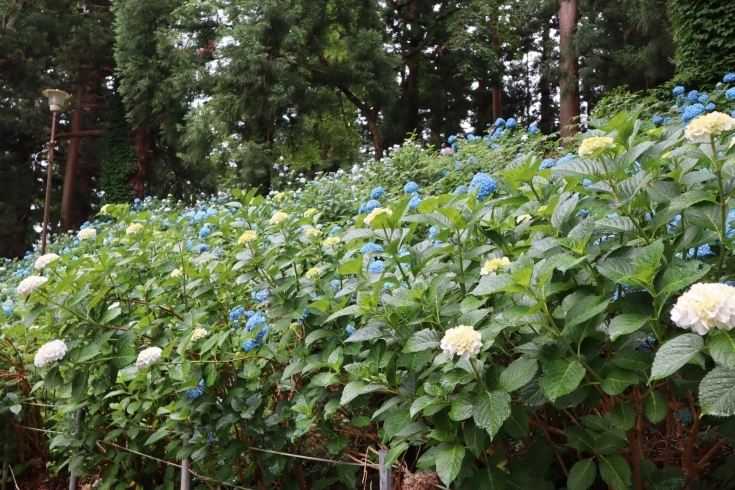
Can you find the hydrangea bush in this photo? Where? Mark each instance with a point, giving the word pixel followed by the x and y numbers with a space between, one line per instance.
pixel 540 319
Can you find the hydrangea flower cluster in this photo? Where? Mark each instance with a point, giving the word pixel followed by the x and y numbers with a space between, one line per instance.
pixel 247 237
pixel 712 124
pixel 133 228
pixel 484 184
pixel 547 163
pixel 44 260
pixel 50 352
pixel 260 296
pixel 331 241
pixel 411 187
pixel 377 212
pixel 87 234
pixel 494 265
pixel 278 217
pixel 705 306
pixel 594 143
pixel 375 267
pixel 313 273
pixel 196 392
pixel 30 284
pixel 198 333
pixel 462 340
pixel 368 206
pixel 371 247
pixel 377 193
pixel 148 356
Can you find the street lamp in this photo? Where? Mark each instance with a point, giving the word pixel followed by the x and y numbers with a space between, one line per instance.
pixel 56 100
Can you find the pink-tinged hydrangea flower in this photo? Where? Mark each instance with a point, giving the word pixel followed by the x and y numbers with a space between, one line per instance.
pixel 704 306
pixel 147 357
pixel 462 340
pixel 30 284
pixel 50 352
pixel 45 260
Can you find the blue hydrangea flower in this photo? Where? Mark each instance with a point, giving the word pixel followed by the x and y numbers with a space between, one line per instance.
pixel 249 314
pixel 260 296
pixel 375 267
pixel 7 307
pixel 389 285
pixel 678 90
pixel 368 206
pixel 196 392
pixel 730 94
pixel 701 251
pixel 255 320
pixel 377 193
pixel 484 184
pixel 566 158
pixel 414 202
pixel 692 96
pixel 335 230
pixel 236 313
pixel 511 123
pixel 433 231
pixel 646 346
pixel 657 120
pixel 249 345
pixel 694 110
pixel 533 129
pixel 674 222
pixel 371 247
pixel 451 139
pixel 411 187
pixel 210 439
pixel 729 230
pixel 703 98
pixel 730 77
pixel 547 163
pixel 457 165
pixel 259 336
pixel 350 329
pixel 666 120
pixel 335 284
pixel 499 122
pixel 686 417
pixel 462 189
pixel 497 134
pixel 205 231
pixel 202 247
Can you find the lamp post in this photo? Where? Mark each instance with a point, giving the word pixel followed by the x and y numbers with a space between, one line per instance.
pixel 56 100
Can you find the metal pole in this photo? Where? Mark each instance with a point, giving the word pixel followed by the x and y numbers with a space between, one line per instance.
pixel 48 184
pixel 386 474
pixel 6 454
pixel 80 416
pixel 185 474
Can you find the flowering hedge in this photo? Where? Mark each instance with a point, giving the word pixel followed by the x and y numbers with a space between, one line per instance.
pixel 503 317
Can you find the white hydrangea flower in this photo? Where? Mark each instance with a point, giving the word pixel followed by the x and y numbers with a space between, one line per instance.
pixel 176 273
pixel 712 124
pixel 704 306
pixel 45 260
pixel 494 265
pixel 133 229
pixel 278 217
pixel 87 234
pixel 147 357
pixel 30 284
pixel 198 333
pixel 462 340
pixel 50 352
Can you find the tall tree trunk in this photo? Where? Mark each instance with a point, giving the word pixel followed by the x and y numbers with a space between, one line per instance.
pixel 72 156
pixel 375 135
pixel 141 153
pixel 568 82
pixel 546 122
pixel 497 86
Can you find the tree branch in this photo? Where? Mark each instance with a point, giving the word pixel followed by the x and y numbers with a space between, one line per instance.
pixel 76 134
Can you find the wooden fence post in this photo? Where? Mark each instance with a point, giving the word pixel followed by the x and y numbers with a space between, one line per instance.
pixel 77 432
pixel 386 473
pixel 185 474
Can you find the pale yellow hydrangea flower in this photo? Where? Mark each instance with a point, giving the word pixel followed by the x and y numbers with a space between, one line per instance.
pixel 704 306
pixel 279 217
pixel 332 240
pixel 197 334
pixel 279 195
pixel 133 229
pixel 176 273
pixel 103 209
pixel 313 273
pixel 377 212
pixel 494 265
pixel 311 233
pixel 594 143
pixel 523 218
pixel 712 124
pixel 87 234
pixel 309 212
pixel 462 340
pixel 247 237
pixel 732 142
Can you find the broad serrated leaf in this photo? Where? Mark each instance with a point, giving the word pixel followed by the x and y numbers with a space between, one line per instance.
pixel 674 354
pixel 617 380
pixel 423 340
pixel 615 472
pixel 580 439
pixel 490 284
pixel 722 348
pixel 519 373
pixel 490 410
pixel 625 324
pixel 563 376
pixel 563 211
pixel 655 407
pixel 449 462
pixel 582 475
pixel 717 392
pixel 623 415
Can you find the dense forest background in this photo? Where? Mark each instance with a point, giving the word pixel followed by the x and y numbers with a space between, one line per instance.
pixel 183 96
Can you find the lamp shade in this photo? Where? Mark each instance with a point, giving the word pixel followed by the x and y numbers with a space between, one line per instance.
pixel 56 99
